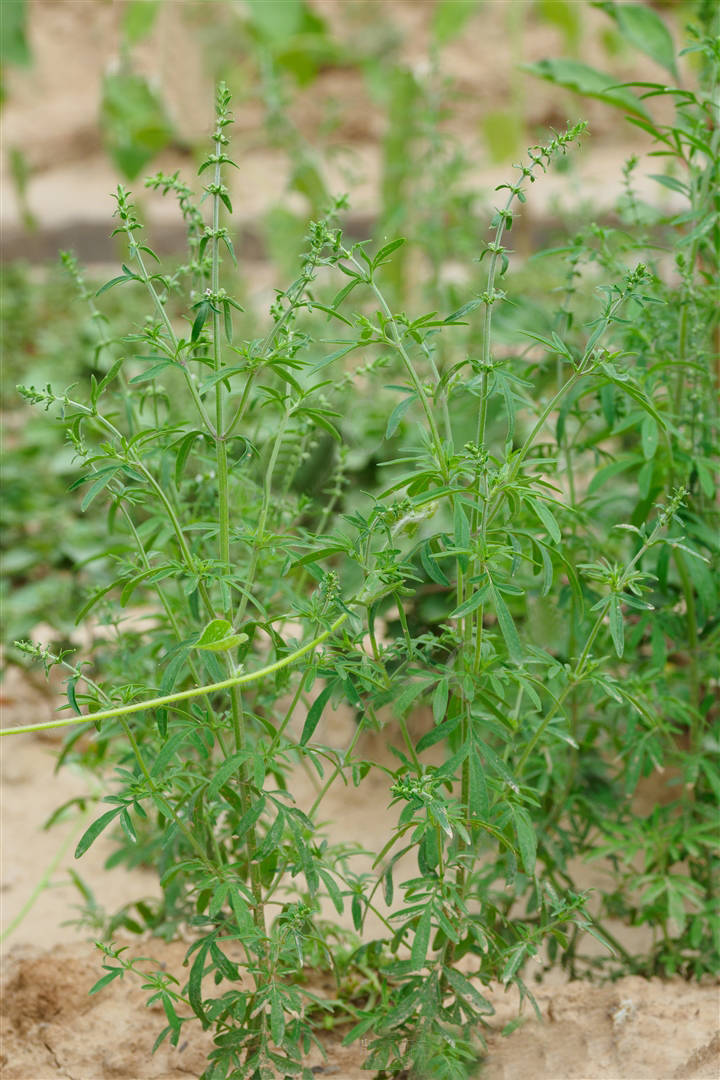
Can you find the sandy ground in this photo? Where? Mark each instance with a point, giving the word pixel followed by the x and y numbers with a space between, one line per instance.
pixel 631 1029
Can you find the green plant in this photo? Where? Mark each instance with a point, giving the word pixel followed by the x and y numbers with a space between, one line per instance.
pixel 484 570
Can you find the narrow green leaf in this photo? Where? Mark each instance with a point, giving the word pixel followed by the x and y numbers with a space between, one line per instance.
pixel 388 885
pixel 151 372
pixel 478 799
pixel 242 913
pixel 421 940
pixel 71 684
pixel 507 627
pixel 315 712
pixel 397 414
pixel 115 281
pixel 127 827
pixel 616 625
pixel 344 292
pixel 202 314
pixel 195 983
pixel 356 911
pixel 226 770
pixel 546 518
pixel 462 533
pixel 96 487
pixel 109 376
pixel 649 435
pixel 471 604
pixel 527 841
pixel 467 991
pixel 437 734
pixel 91 834
pixel 387 250
pixel 332 888
pixel 116 973
pixel 431 567
pixel 440 699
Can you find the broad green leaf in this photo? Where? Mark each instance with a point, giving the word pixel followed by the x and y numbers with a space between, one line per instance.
pixel 219 636
pixel 14 47
pixel 279 20
pixel 644 28
pixel 581 79
pixel 565 15
pixel 504 133
pixel 449 18
pixel 138 19
pixel 134 122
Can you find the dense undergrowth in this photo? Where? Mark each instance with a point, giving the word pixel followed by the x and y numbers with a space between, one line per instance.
pixel 499 508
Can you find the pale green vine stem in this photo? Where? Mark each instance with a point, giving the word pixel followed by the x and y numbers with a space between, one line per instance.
pixel 184 695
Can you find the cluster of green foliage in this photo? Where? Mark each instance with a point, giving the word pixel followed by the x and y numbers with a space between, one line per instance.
pixel 532 527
